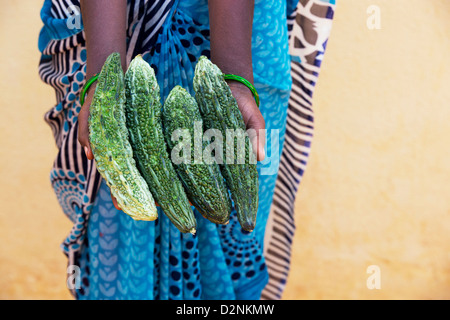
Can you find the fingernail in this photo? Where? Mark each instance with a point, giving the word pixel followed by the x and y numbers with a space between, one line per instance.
pixel 263 152
pixel 86 150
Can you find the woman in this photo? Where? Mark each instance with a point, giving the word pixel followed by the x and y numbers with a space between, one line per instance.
pixel 120 258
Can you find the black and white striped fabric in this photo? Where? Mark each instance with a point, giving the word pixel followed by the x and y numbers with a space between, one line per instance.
pixel 309 31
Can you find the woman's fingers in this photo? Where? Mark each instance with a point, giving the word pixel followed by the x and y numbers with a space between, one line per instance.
pixel 114 200
pixel 83 125
pixel 253 119
pixel 83 132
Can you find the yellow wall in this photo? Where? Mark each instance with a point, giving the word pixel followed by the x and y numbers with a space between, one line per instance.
pixel 32 225
pixel 376 189
pixel 374 192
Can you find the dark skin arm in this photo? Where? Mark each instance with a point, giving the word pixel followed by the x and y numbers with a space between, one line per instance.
pixel 231 50
pixel 231 30
pixel 105 29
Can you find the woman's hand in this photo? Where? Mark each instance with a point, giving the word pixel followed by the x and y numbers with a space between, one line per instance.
pixel 231 25
pixel 83 131
pixel 83 126
pixel 253 118
pixel 105 25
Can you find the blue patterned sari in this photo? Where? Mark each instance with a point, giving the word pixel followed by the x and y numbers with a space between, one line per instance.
pixel 120 258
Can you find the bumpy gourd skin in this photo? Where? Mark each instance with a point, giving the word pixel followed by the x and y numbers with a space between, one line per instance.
pixel 109 142
pixel 220 111
pixel 143 114
pixel 203 182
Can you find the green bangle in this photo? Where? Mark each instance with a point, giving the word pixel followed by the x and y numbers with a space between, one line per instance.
pixel 245 82
pixel 86 87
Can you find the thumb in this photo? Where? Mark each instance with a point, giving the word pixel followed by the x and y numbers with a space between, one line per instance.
pixel 257 133
pixel 253 119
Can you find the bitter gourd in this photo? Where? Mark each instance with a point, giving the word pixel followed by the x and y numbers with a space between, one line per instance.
pixel 112 151
pixel 203 182
pixel 143 118
pixel 219 110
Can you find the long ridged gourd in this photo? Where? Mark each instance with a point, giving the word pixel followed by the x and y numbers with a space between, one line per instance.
pixel 112 151
pixel 203 182
pixel 219 110
pixel 143 114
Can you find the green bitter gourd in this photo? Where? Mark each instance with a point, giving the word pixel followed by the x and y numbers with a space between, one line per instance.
pixel 203 182
pixel 112 151
pixel 143 114
pixel 219 110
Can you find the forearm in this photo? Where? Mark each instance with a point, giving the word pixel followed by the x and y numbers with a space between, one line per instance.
pixel 231 24
pixel 105 30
